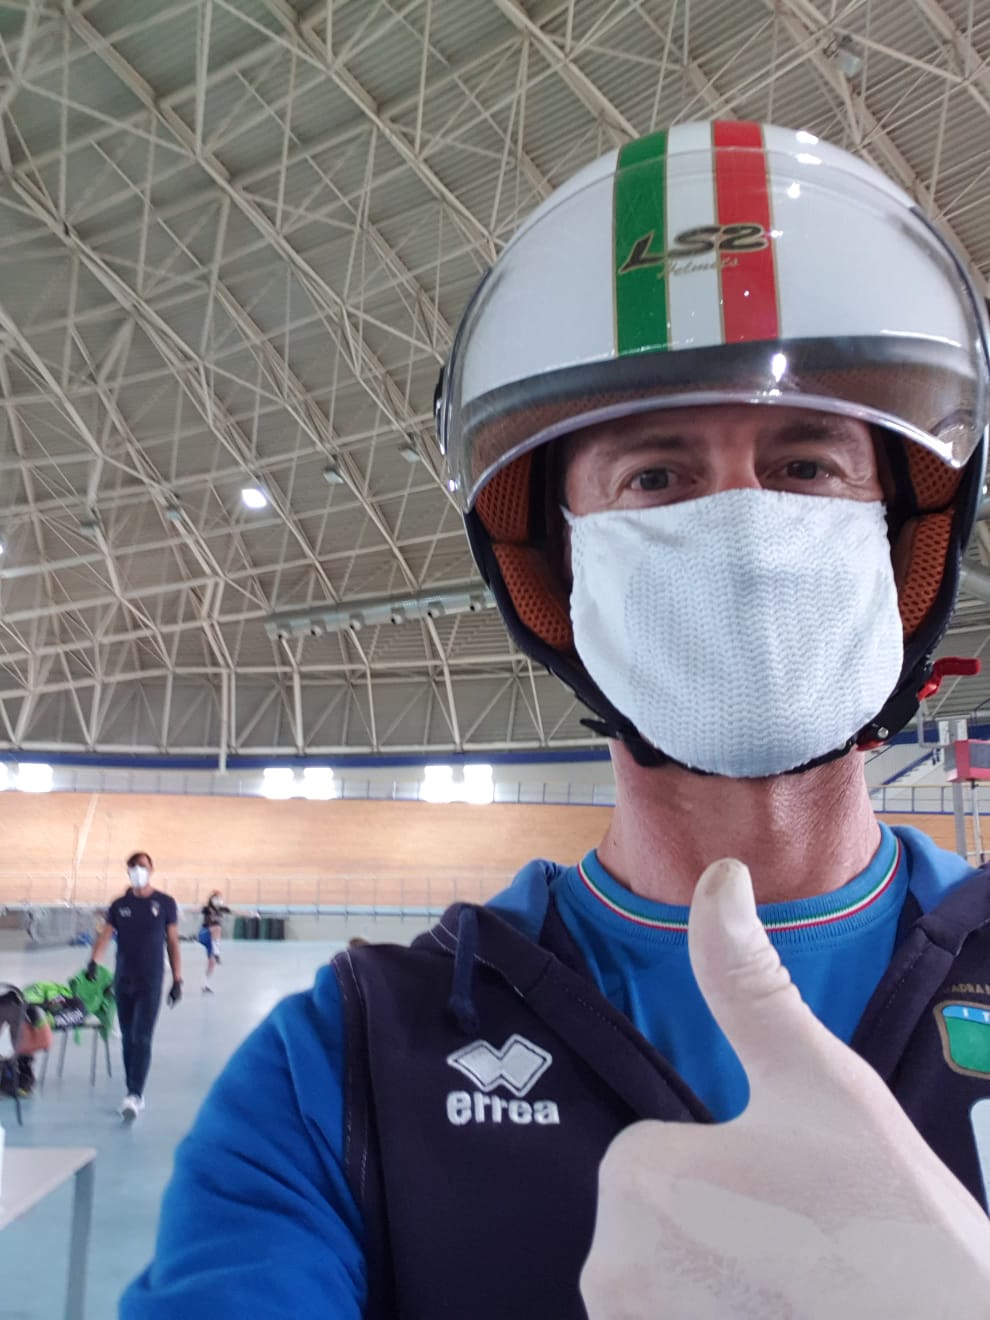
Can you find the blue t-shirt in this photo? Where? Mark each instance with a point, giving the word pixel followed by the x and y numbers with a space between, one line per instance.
pixel 836 948
pixel 258 1218
pixel 141 925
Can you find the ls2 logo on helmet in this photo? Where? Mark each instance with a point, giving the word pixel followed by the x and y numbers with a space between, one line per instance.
pixel 705 247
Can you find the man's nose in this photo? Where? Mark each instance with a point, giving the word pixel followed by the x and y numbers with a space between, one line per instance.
pixel 736 473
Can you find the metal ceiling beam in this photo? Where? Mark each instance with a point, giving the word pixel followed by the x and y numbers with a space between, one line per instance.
pixel 586 90
pixel 326 675
pixel 226 431
pixel 305 41
pixel 166 343
pixel 391 402
pixel 974 73
pixel 809 29
pixel 576 79
pixel 17 436
pixel 219 72
pixel 368 370
pixel 61 398
pixel 186 367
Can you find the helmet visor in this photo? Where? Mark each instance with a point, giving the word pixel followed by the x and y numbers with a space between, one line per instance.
pixel 635 292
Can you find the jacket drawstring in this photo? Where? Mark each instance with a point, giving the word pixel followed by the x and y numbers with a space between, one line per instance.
pixel 461 1001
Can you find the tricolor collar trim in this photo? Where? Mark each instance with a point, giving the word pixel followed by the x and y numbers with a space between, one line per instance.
pixel 680 925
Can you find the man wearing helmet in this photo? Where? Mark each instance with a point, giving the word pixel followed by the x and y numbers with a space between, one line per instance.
pixel 717 418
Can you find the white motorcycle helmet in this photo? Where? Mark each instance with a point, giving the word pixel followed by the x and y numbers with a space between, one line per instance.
pixel 717 263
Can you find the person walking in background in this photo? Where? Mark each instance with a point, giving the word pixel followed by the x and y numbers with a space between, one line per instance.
pixel 209 934
pixel 145 922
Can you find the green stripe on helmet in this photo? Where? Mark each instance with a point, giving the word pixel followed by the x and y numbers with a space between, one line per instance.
pixel 640 240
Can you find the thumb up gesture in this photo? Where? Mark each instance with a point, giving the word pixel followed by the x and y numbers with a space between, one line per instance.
pixel 820 1201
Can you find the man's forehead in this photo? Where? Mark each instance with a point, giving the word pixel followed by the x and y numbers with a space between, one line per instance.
pixel 685 427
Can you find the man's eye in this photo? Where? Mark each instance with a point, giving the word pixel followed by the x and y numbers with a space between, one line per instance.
pixel 805 469
pixel 652 479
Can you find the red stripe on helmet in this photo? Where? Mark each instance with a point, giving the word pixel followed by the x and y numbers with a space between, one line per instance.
pixel 748 277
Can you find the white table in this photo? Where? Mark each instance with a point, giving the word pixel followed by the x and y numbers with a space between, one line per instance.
pixel 29 1174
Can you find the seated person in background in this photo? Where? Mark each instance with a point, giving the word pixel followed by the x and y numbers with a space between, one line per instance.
pixel 35 1037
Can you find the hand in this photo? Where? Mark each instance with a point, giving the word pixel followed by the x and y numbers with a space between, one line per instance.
pixel 821 1200
pixel 175 994
pixel 91 970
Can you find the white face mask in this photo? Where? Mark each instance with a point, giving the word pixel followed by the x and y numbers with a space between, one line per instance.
pixel 744 633
pixel 138 876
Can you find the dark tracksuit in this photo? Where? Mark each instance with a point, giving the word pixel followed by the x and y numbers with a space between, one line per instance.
pixel 141 925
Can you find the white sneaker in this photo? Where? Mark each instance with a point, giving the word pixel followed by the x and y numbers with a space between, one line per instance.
pixel 207 989
pixel 132 1106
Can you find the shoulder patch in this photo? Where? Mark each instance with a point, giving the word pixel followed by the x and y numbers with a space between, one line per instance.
pixel 965 1031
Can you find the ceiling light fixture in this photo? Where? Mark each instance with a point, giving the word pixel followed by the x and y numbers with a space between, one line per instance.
pixel 846 56
pixel 89 525
pixel 253 497
pixel 315 620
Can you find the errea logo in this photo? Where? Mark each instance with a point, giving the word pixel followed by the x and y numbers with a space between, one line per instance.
pixel 517 1066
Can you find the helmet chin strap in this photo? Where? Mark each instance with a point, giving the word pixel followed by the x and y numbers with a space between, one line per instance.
pixel 650 758
pixel 897 710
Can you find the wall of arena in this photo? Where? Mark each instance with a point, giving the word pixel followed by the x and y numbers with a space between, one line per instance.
pixel 70 847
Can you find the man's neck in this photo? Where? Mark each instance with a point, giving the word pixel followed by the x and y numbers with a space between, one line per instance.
pixel 800 835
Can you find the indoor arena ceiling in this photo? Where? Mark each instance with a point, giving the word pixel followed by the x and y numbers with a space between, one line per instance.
pixel 234 238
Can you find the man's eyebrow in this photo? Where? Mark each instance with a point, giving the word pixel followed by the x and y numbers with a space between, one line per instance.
pixel 814 428
pixel 646 439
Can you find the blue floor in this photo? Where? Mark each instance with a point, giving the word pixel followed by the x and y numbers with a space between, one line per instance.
pixel 192 1043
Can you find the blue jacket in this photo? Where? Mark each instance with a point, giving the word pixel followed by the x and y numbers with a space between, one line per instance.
pixel 435 1152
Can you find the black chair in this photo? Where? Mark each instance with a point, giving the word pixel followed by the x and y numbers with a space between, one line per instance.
pixel 13 1015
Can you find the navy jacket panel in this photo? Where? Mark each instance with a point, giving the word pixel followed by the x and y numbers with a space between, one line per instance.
pixel 486 1076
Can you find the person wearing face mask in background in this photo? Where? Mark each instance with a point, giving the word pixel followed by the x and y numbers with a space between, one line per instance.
pixel 146 924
